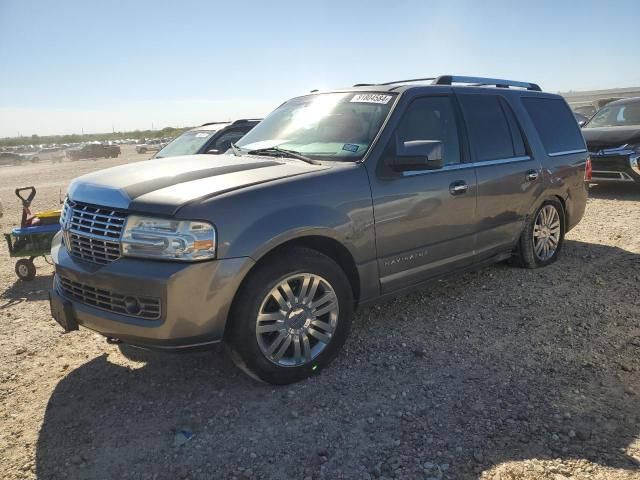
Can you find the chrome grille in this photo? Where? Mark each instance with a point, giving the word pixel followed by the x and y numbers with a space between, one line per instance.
pixel 140 307
pixel 92 233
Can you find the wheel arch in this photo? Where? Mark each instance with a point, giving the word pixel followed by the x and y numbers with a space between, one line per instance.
pixel 551 196
pixel 326 245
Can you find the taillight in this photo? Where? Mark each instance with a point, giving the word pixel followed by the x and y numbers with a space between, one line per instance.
pixel 588 171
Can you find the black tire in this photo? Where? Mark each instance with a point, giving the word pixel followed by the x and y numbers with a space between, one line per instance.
pixel 241 335
pixel 525 255
pixel 25 269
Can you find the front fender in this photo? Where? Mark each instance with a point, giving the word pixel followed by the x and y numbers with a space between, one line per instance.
pixel 333 203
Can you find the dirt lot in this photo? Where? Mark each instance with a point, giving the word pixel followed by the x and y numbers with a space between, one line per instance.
pixel 500 374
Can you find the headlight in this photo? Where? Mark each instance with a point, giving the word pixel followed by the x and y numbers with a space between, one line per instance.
pixel 167 239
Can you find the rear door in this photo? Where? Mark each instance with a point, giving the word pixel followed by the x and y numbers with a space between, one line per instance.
pixel 423 225
pixel 509 177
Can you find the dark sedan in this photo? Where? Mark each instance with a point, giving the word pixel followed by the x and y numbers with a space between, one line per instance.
pixel 613 140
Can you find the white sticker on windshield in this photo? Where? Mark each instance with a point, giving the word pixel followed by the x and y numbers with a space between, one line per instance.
pixel 201 135
pixel 371 98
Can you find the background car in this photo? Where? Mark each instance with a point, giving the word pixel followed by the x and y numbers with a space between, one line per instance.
pixel 10 158
pixel 152 145
pixel 212 138
pixel 93 150
pixel 613 140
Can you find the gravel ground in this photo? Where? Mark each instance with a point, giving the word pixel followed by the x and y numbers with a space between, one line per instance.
pixel 499 374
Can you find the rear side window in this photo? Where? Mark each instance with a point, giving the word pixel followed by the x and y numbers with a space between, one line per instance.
pixel 555 124
pixel 489 129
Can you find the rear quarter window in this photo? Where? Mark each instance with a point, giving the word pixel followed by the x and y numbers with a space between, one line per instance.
pixel 555 124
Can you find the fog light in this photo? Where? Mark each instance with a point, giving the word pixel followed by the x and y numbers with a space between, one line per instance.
pixel 132 306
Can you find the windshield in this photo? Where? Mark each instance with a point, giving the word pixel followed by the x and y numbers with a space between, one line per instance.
pixel 189 143
pixel 333 126
pixel 616 116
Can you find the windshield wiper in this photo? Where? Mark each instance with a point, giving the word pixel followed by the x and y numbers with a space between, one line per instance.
pixel 235 150
pixel 281 152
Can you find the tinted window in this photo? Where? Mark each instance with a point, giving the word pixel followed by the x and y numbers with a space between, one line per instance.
pixel 555 124
pixel 488 127
pixel 432 118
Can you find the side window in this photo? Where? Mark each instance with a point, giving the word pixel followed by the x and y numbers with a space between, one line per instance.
pixel 224 141
pixel 488 127
pixel 555 124
pixel 431 118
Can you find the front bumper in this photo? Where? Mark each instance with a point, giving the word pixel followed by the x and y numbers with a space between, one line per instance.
pixel 616 168
pixel 194 298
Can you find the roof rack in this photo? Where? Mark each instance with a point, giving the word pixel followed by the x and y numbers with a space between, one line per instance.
pixel 411 80
pixel 241 120
pixel 245 120
pixel 212 123
pixel 482 81
pixel 472 81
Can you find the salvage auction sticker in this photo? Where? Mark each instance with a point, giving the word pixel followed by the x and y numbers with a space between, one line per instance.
pixel 371 98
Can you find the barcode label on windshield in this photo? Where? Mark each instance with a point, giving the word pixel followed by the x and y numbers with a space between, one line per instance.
pixel 371 98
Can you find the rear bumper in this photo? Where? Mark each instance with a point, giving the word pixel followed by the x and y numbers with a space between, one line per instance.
pixel 616 168
pixel 194 299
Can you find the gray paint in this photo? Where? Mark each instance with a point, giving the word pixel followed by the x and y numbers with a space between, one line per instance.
pixel 401 230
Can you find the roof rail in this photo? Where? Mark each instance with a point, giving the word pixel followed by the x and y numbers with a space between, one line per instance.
pixel 245 120
pixel 408 81
pixel 481 81
pixel 212 123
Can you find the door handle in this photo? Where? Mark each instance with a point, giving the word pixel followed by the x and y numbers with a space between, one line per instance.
pixel 532 175
pixel 458 188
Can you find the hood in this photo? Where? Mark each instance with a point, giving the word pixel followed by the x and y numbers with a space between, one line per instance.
pixel 163 185
pixel 610 137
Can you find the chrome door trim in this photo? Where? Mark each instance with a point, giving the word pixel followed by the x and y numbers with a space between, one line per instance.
pixel 463 166
pixel 567 152
pixel 502 161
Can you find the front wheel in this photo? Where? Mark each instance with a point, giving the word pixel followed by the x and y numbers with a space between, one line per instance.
pixel 291 316
pixel 542 237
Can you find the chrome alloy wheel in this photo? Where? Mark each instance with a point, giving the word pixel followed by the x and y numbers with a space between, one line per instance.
pixel 297 319
pixel 546 233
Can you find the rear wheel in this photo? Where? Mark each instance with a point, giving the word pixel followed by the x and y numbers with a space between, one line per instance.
pixel 291 317
pixel 542 237
pixel 25 269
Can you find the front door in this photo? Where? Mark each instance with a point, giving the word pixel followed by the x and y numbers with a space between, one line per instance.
pixel 424 219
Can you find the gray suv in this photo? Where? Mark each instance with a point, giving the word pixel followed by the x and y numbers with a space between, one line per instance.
pixel 335 200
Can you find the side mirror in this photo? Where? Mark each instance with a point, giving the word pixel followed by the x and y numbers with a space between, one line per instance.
pixel 419 155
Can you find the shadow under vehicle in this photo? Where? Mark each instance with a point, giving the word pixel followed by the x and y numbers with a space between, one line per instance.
pixel 538 376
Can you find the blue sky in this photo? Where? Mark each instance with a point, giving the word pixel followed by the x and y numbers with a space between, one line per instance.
pixel 97 65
